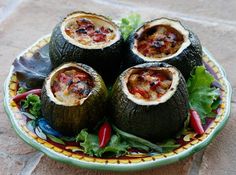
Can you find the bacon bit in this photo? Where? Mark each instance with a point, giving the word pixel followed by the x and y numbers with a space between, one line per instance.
pixel 99 37
pixel 83 22
pixel 142 46
pixel 102 29
pixel 64 78
pixel 55 87
pixel 106 31
pixel 81 76
pixel 161 77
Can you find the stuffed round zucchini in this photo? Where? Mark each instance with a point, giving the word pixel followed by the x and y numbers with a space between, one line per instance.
pixel 165 40
pixel 150 100
pixel 73 98
pixel 90 39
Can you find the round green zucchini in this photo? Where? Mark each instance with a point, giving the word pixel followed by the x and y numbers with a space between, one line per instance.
pixel 153 120
pixel 188 55
pixel 69 119
pixel 104 58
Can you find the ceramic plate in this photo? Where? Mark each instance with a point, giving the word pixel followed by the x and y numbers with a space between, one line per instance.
pixel 70 153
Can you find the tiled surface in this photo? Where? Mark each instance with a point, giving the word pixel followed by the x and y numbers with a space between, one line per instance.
pixel 22 22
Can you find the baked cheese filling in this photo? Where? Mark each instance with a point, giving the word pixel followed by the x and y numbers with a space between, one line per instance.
pixel 159 41
pixel 71 85
pixel 87 32
pixel 149 84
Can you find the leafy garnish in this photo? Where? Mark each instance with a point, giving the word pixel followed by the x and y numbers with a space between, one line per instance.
pixel 55 139
pixel 201 94
pixel 119 144
pixel 129 24
pixel 21 90
pixel 33 104
pixel 68 139
pixel 169 145
pixel 89 143
pixel 32 71
pixel 137 141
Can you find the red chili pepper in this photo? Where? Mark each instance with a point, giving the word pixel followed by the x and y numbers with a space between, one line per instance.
pixel 22 96
pixel 144 93
pixel 104 134
pixel 195 122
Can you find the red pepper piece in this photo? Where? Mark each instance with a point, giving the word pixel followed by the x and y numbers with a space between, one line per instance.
pixel 22 96
pixel 104 134
pixel 143 93
pixel 195 122
pixel 81 76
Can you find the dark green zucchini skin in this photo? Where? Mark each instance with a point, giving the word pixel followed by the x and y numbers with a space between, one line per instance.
pixel 106 61
pixel 185 61
pixel 152 122
pixel 69 120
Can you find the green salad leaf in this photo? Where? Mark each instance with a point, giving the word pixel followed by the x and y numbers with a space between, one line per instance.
pixel 201 94
pixel 21 90
pixel 89 143
pixel 137 142
pixel 119 144
pixel 169 145
pixel 129 24
pixel 33 104
pixel 55 139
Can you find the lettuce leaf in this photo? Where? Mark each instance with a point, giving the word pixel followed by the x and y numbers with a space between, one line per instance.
pixel 119 144
pixel 33 104
pixel 201 93
pixel 129 24
pixel 89 143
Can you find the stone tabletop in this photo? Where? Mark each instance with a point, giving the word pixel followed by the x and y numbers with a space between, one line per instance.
pixel 22 22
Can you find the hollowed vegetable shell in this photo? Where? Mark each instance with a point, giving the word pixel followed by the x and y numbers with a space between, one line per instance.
pixel 185 61
pixel 154 122
pixel 69 120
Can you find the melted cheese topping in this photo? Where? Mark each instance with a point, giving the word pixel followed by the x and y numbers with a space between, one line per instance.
pixel 89 33
pixel 159 41
pixel 149 84
pixel 71 85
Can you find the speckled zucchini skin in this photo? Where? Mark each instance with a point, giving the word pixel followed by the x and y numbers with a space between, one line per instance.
pixel 105 61
pixel 152 122
pixel 185 61
pixel 69 120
